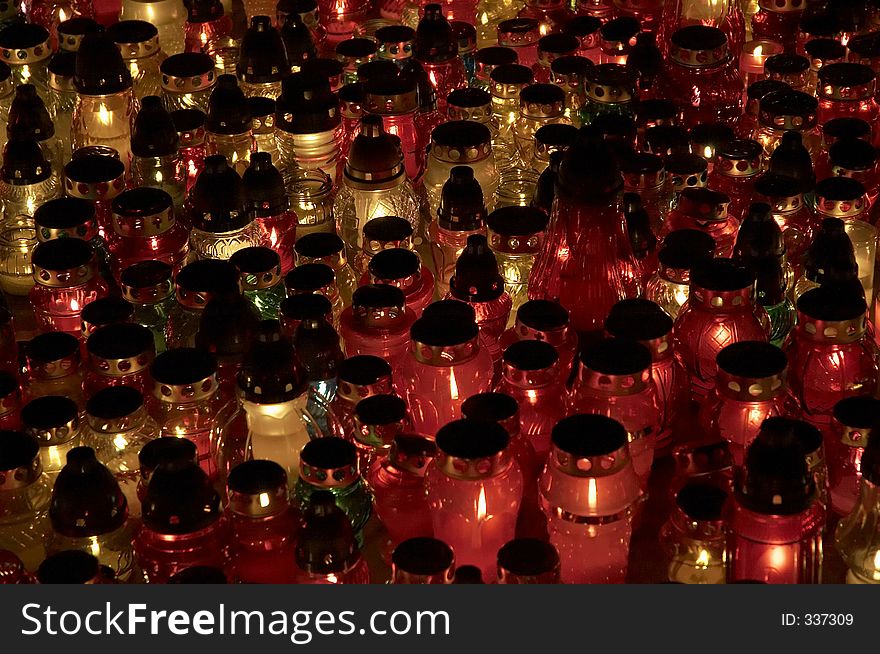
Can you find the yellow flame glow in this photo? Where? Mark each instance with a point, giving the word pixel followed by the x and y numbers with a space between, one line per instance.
pixel 453 385
pixel 707 152
pixel 62 16
pixel 264 499
pixel 758 51
pixel 481 505
pixel 702 559
pixel 103 115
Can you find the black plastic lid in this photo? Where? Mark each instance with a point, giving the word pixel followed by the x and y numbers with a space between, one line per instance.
pixel 188 64
pixel 326 543
pixel 722 275
pixel 154 133
pixel 183 366
pixel 381 409
pixel 423 556
pixel 264 186
pixel 777 480
pixel 468 574
pixel 542 315
pixel 840 189
pixel 476 277
pixel 699 38
pixel 363 370
pixel 218 200
pixel 588 435
pixel 530 355
pixel 759 235
pixel 28 116
pixel 752 360
pixel 100 69
pixel 786 63
pixel 616 127
pixel 472 439
pixel 387 229
pixel 86 499
pixel 262 58
pixel 517 221
pixel 257 476
pixel 227 325
pixel 589 170
pixel 846 127
pixel 24 162
pixel 94 169
pixel 528 557
pixel 114 402
pixel 260 107
pixel 166 450
pixel 462 134
pixel 512 74
pixel 317 347
pixel 65 213
pixel 666 139
pixel 305 306
pixel 571 65
pixel 832 303
pixel 48 412
pixel 450 308
pixel 318 245
pixel 443 331
pixel 107 311
pixel 180 499
pixel 773 185
pixel 616 356
pixel 791 159
pixel 329 453
pixel 469 97
pixel 544 94
pixel 69 567
pixel 228 109
pixel 394 263
pixel 51 346
pixel 299 44
pixel 461 201
pixel 638 319
pixel 199 574
pixel 435 41
pixel 860 411
pixel 306 104
pixel 132 31
pixel 208 275
pixel 309 277
pixel 270 372
pixel 62 254
pixel 831 257
pixel 495 55
pixel 17 450
pixel 255 260
pixel 122 340
pixel 378 296
pixel 846 74
pixel 701 502
pixel 491 406
pixel 853 154
pixel 203 11
pixel 141 203
pixel 22 36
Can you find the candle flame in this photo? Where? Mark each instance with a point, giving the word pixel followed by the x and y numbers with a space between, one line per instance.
pixel 702 559
pixel 103 115
pixel 74 305
pixel 778 558
pixel 119 442
pixel 592 494
pixel 95 547
pixel 759 50
pixel 481 505
pixel 264 499
pixel 707 152
pixel 453 385
pixel 61 16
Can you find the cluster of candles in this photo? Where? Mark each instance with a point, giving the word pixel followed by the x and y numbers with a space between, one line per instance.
pixel 440 280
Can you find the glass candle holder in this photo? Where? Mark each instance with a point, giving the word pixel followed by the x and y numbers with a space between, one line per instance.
pixel 53 420
pixel 262 61
pixel 26 178
pixel 157 162
pixel 187 81
pixel 89 513
pixel 693 537
pixel 263 115
pixel 540 105
pixel 383 233
pixel 586 26
pixel 614 379
pixel 720 311
pixel 221 220
pixel 330 464
pixel 474 503
pixel 328 249
pixel 119 355
pixel 589 506
pixel 18 237
pixel 358 378
pixel 856 535
pixel 105 107
pixel 751 387
pixel 422 560
pixel 544 320
pixel 228 125
pixel 831 326
pixel 487 59
pixel 264 524
pixel 138 41
pixel 738 163
pixel 25 494
pixel 110 310
pixel 73 566
pixel 66 280
pixel 705 210
pixel 780 111
pixel 404 269
pixel 52 366
pixel 148 287
pixel 308 125
pixel 27 49
pixel 318 279
pixel 775 521
pixel 261 279
pixel 398 485
pixel 396 100
pixel 181 528
pixel 378 420
pixel 791 69
pixel 10 401
pixel 853 422
pixel 117 428
pixel 327 551
pixel 311 199
pixel 185 385
pixel 145 228
pixel 98 178
pixel 377 323
pixel 273 421
pixel 786 199
pixel 777 20
pixel 528 561
pixel 165 15
pixel 506 81
pixel 570 72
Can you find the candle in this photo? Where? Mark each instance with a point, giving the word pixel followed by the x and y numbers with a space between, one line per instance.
pixel 752 58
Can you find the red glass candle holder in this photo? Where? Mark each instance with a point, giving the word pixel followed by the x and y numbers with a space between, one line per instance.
pixel 358 377
pixel 377 323
pixel 707 211
pixel 264 524
pixel 720 311
pixel 10 401
pixel 529 561
pixel 404 269
pixel 119 355
pixel 851 428
pixel 589 489
pixel 474 491
pixel 422 560
pixel 738 163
